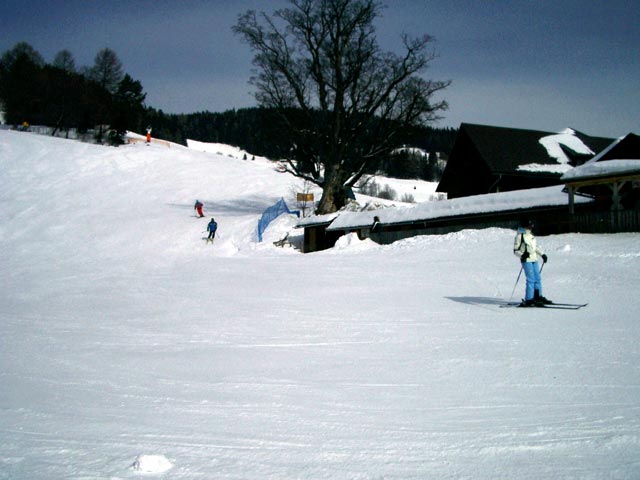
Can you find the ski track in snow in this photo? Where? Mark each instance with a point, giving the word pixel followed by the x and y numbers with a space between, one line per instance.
pixel 130 348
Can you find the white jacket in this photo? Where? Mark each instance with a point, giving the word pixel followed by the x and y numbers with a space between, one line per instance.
pixel 526 242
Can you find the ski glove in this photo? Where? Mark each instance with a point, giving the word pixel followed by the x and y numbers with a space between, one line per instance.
pixel 524 256
pixel 544 258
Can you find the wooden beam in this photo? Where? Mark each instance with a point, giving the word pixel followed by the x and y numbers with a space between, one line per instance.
pixel 616 188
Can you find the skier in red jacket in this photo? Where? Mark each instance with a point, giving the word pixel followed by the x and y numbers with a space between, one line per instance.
pixel 198 208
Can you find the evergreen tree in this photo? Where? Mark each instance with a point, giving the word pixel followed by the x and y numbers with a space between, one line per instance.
pixel 21 83
pixel 127 108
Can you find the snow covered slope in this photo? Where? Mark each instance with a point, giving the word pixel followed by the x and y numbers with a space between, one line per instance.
pixel 130 348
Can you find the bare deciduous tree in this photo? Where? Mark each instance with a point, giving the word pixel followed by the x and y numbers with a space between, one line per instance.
pixel 342 100
pixel 107 73
pixel 64 61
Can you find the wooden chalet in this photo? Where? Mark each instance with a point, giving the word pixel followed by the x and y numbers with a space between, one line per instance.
pixel 487 159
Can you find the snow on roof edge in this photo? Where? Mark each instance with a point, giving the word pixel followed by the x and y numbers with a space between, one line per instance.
pixel 313 220
pixel 477 204
pixel 595 168
pixel 602 169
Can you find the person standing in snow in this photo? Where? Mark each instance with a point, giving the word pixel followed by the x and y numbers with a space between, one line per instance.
pixel 212 227
pixel 526 248
pixel 198 208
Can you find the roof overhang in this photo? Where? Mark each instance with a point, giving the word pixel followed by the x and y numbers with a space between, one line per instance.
pixel 588 181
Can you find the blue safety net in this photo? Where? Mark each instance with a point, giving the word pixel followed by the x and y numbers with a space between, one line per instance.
pixel 271 213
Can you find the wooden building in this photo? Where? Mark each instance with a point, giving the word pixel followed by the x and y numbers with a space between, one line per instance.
pixel 612 180
pixel 316 236
pixel 548 205
pixel 487 159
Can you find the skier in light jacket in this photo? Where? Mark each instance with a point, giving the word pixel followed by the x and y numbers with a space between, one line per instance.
pixel 526 248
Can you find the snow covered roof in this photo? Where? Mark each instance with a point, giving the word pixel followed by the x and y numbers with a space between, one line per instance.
pixel 519 150
pixel 603 169
pixel 314 220
pixel 557 146
pixel 622 157
pixel 478 204
pixel 487 158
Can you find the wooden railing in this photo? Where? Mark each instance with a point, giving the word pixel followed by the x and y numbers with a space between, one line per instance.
pixel 605 222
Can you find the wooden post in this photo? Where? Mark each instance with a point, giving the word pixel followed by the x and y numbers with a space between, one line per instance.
pixel 617 205
pixel 616 188
pixel 572 194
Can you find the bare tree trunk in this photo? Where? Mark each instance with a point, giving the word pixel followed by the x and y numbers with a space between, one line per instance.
pixel 334 195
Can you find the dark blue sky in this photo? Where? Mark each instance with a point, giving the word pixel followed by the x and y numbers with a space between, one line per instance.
pixel 538 64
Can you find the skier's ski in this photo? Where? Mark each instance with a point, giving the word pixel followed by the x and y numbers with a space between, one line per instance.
pixel 564 306
pixel 558 306
pixel 510 305
pixel 574 305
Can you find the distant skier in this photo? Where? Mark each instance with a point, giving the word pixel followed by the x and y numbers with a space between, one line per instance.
pixel 148 135
pixel 526 248
pixel 212 227
pixel 198 208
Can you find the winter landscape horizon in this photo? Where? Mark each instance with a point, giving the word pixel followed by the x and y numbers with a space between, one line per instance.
pixel 131 348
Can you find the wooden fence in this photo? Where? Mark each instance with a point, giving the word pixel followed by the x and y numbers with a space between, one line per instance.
pixel 605 222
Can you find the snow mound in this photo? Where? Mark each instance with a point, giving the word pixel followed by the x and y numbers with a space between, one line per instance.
pixel 279 228
pixel 221 149
pixel 152 464
pixel 352 242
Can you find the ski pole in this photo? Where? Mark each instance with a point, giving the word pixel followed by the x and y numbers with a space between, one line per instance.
pixel 517 280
